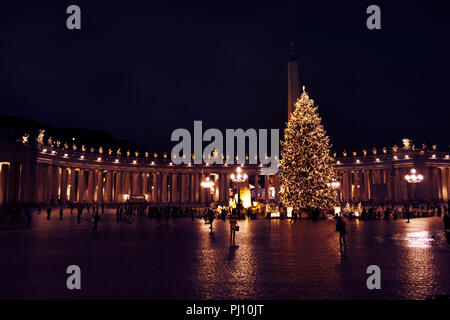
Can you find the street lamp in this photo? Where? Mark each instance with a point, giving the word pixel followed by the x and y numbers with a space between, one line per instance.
pixel 414 179
pixel 208 184
pixel 238 178
pixel 335 185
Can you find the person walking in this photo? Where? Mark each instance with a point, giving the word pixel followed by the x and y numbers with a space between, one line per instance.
pixel 293 218
pixel 210 218
pixel 341 228
pixel 386 214
pixel 61 213
pixel 96 220
pixel 408 214
pixel 49 212
pixel 233 225
pixel 117 214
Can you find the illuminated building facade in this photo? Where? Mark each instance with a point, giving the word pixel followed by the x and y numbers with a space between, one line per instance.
pixel 380 177
pixel 34 172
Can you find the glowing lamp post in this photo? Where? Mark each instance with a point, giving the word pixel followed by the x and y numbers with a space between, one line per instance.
pixel 208 184
pixel 335 185
pixel 238 178
pixel 414 179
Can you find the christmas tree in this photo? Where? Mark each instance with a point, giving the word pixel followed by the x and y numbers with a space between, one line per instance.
pixel 307 168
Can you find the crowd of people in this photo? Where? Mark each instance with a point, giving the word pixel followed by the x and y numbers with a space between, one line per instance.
pixel 386 212
pixel 126 211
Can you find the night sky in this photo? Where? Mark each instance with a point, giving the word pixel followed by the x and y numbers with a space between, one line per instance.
pixel 141 69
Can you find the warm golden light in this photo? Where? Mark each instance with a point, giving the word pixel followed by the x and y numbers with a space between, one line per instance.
pixel 207 183
pixel 413 177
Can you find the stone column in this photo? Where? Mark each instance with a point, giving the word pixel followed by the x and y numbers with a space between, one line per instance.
pixel 132 183
pixel 398 186
pixel 9 183
pixel 256 187
pixel 266 188
pixel 443 183
pixel 38 184
pixel 55 178
pixel 3 181
pixel 217 186
pixel 192 198
pixel 447 170
pixel 344 187
pixel 358 186
pixel 107 197
pixel 126 185
pixel 366 185
pixel 349 185
pixel 389 185
pixel 404 184
pixel 203 195
pixel 64 179
pixel 99 186
pixel 154 187
pixel 91 186
pixel 71 179
pixel 164 187
pixel 183 188
pixel 123 183
pixel 144 187
pixel 434 184
pixel 27 182
pixel 197 178
pixel 81 185
pixel 174 188
pixel 221 188
pixel 425 186
pixel 5 169
pixel 117 189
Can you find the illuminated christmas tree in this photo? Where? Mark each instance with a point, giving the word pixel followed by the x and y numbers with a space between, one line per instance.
pixel 307 168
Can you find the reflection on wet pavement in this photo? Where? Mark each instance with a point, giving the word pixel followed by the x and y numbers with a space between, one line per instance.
pixel 270 260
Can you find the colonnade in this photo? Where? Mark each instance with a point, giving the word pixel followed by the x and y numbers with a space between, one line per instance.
pixel 389 184
pixel 99 185
pixel 85 182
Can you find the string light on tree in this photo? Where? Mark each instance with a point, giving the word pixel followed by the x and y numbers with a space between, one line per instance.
pixel 307 171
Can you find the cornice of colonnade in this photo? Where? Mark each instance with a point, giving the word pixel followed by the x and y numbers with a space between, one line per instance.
pixel 401 159
pixel 110 163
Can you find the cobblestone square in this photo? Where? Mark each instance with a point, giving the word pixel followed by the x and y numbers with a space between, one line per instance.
pixel 271 259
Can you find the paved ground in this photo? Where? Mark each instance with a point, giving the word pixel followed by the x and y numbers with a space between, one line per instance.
pixel 272 260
